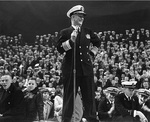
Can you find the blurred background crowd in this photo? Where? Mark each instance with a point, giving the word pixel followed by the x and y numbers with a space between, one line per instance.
pixel 121 57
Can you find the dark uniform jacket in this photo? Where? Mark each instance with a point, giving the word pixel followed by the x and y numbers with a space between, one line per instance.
pixel 12 102
pixel 126 107
pixel 103 108
pixel 83 60
pixel 147 113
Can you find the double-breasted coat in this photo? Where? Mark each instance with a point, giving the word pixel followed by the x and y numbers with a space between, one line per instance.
pixel 12 104
pixel 84 69
pixel 125 108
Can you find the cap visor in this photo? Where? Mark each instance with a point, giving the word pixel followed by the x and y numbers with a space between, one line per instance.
pixel 80 12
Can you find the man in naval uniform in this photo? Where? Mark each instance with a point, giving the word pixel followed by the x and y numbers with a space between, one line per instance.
pixel 83 37
pixel 106 107
pixel 144 100
pixel 127 104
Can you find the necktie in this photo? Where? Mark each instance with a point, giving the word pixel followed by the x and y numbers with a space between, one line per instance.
pixel 129 98
pixel 78 29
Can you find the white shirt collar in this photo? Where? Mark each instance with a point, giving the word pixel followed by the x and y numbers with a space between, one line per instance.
pixel 128 96
pixel 75 27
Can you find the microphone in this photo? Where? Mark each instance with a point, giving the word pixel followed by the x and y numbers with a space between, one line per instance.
pixel 74 33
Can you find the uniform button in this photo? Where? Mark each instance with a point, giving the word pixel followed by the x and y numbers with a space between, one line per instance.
pixel 80 53
pixel 79 46
pixel 81 60
pixel 88 59
pixel 87 53
pixel 8 102
pixel 86 46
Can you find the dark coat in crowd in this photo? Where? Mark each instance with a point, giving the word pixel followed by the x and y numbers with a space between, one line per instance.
pixel 147 113
pixel 103 108
pixel 125 108
pixel 34 105
pixel 12 104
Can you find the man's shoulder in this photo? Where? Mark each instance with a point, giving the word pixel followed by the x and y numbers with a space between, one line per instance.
pixel 67 29
pixel 120 95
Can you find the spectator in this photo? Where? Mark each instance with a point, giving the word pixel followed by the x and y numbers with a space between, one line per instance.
pixel 58 103
pixel 48 105
pixel 127 104
pixel 145 84
pixel 106 107
pixel 144 100
pixel 125 56
pixel 34 102
pixel 11 101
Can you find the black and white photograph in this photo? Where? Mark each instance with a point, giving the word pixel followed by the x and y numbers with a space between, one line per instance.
pixel 74 61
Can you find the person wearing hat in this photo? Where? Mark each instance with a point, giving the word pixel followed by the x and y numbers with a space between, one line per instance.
pixel 82 37
pixel 144 100
pixel 127 104
pixel 143 95
pixel 106 107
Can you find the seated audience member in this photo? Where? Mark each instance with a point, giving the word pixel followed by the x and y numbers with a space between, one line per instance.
pixel 34 102
pixel 106 107
pixel 51 87
pixel 127 104
pixel 145 84
pixel 98 96
pixel 144 100
pixel 58 103
pixel 21 84
pixel 11 101
pixel 48 105
pixel 119 56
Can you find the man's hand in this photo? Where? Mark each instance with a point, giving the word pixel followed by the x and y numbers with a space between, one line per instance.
pixel 111 109
pixel 142 116
pixel 74 35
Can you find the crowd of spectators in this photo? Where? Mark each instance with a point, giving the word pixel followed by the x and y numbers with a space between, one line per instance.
pixel 121 57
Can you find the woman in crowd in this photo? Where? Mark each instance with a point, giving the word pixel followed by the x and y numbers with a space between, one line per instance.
pixel 48 105
pixel 145 84
pixel 58 103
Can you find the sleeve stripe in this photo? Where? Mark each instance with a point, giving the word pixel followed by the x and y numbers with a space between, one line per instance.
pixel 66 45
pixel 95 50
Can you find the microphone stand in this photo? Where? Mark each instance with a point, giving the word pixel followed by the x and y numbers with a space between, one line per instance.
pixel 74 76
